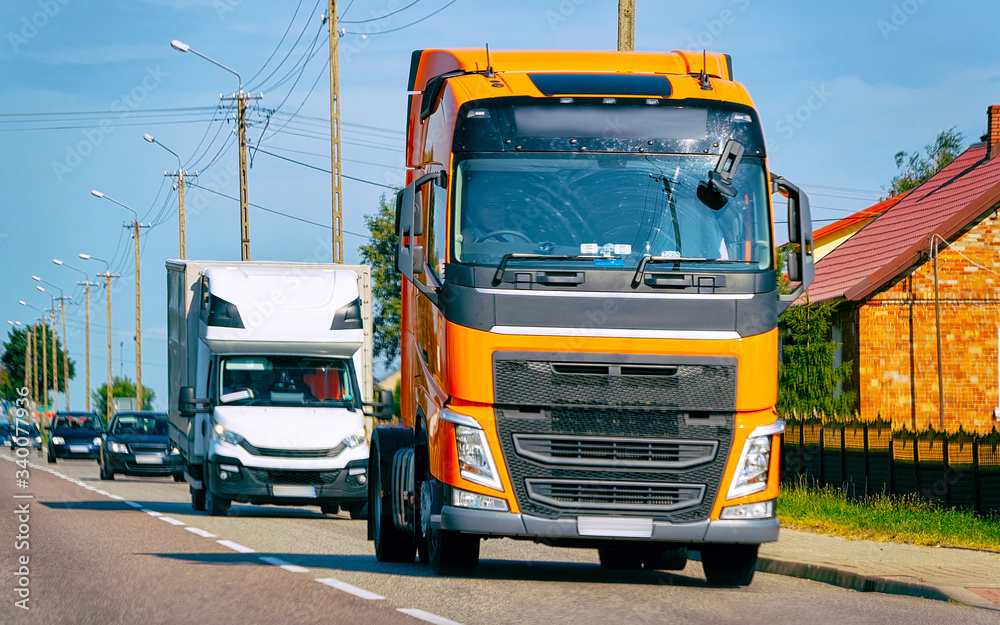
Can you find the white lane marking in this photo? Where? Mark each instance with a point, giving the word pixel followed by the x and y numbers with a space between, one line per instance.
pixel 288 566
pixel 172 521
pixel 354 590
pixel 200 532
pixel 116 497
pixel 235 546
pixel 133 504
pixel 102 492
pixel 150 512
pixel 427 616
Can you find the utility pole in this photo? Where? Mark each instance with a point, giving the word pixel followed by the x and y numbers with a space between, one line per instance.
pixel 108 390
pixel 86 294
pixel 135 225
pixel 179 174
pixel 28 370
pixel 626 25
pixel 55 360
pixel 338 214
pixel 62 312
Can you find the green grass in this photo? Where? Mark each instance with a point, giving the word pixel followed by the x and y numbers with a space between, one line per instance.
pixel 884 518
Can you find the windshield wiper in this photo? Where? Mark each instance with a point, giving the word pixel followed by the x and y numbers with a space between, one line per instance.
pixel 650 259
pixel 498 276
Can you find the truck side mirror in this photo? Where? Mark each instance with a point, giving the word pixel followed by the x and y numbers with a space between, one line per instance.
pixel 186 403
pixel 800 236
pixel 384 408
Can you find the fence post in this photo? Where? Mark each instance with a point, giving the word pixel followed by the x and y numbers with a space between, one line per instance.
pixel 976 483
pixel 946 469
pixel 867 465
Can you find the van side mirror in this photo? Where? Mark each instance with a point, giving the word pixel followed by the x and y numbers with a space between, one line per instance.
pixel 187 404
pixel 384 408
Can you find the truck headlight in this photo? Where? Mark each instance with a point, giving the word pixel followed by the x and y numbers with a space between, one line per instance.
pixel 227 436
pixel 356 439
pixel 465 499
pixel 752 469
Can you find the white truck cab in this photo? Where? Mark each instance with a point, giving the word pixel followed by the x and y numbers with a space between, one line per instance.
pixel 270 365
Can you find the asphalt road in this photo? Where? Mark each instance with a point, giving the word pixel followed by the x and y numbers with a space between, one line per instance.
pixel 133 551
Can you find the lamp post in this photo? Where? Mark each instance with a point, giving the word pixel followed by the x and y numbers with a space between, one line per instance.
pixel 107 278
pixel 86 292
pixel 45 362
pixel 62 308
pixel 241 122
pixel 138 298
pixel 180 190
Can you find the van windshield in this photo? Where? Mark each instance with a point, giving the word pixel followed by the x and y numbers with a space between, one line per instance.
pixel 286 381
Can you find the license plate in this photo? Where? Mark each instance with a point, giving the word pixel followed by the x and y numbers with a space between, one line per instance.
pixel 293 491
pixel 624 527
pixel 148 460
pixel 79 449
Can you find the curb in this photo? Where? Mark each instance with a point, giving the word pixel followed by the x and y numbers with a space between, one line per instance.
pixel 872 583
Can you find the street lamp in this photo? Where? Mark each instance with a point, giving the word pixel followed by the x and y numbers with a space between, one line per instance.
pixel 55 360
pixel 86 290
pixel 180 190
pixel 241 123
pixel 138 299
pixel 45 358
pixel 107 277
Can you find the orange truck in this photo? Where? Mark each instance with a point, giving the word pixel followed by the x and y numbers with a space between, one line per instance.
pixel 589 310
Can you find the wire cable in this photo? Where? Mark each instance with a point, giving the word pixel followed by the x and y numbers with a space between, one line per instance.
pixel 394 30
pixel 280 41
pixel 382 17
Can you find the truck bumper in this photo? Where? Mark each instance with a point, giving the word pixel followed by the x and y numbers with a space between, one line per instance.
pixel 289 487
pixel 486 523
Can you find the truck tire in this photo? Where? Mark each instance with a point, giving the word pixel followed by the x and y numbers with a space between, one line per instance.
pixel 729 565
pixel 329 508
pixel 666 559
pixel 391 544
pixel 623 558
pixel 452 553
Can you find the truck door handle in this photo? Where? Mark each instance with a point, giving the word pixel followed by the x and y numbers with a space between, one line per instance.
pixel 559 277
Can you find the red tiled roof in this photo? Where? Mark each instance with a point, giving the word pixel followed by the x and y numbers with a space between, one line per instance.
pixel 895 240
pixel 867 213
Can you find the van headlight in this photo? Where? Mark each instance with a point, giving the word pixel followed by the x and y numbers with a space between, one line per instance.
pixel 755 460
pixel 474 458
pixel 227 436
pixel 355 440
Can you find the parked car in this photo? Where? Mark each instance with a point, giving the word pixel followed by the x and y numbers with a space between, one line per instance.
pixel 27 435
pixel 75 435
pixel 6 433
pixel 136 443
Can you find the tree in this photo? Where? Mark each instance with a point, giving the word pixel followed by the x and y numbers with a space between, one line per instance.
pixel 807 379
pixel 943 151
pixel 380 253
pixel 120 387
pixel 13 360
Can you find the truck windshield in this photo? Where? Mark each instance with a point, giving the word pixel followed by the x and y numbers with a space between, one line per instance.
pixel 286 380
pixel 619 206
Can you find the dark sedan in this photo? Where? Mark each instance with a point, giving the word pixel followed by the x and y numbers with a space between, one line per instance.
pixel 75 435
pixel 25 435
pixel 136 443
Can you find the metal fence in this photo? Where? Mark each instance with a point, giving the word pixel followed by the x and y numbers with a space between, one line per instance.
pixel 956 470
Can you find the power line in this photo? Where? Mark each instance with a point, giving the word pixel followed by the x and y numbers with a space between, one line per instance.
pixel 326 171
pixel 393 30
pixel 280 41
pixel 289 53
pixel 375 19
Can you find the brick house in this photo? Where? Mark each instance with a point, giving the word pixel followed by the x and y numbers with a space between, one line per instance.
pixel 896 325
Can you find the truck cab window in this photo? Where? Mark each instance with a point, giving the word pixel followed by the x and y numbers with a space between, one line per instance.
pixel 436 198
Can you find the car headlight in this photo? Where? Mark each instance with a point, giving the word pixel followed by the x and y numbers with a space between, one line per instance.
pixel 58 440
pixel 174 451
pixel 117 448
pixel 227 436
pixel 475 461
pixel 97 440
pixel 38 439
pixel 356 439
pixel 755 460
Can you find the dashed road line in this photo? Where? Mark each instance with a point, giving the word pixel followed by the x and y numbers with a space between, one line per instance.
pixel 200 532
pixel 427 616
pixel 172 520
pixel 236 546
pixel 288 566
pixel 150 512
pixel 354 590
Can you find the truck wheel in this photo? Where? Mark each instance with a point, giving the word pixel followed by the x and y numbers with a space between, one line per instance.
pixel 668 559
pixel 178 477
pixel 329 508
pixel 391 545
pixel 622 558
pixel 358 510
pixel 729 565
pixel 215 505
pixel 452 553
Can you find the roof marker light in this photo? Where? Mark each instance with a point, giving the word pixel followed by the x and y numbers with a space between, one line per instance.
pixel 745 118
pixel 652 101
pixel 478 114
pixel 565 100
pixel 610 100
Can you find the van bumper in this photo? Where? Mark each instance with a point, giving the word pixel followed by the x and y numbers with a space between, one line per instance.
pixel 288 486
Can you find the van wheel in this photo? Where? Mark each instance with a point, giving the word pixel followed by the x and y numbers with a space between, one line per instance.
pixel 215 505
pixel 197 499
pixel 729 565
pixel 358 510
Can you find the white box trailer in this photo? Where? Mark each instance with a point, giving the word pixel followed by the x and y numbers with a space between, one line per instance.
pixel 269 364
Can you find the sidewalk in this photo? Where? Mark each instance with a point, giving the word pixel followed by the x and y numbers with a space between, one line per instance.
pixel 967 576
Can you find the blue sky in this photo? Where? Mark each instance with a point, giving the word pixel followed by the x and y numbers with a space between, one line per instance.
pixel 841 87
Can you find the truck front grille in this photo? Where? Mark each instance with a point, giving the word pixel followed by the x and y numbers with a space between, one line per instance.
pixel 612 452
pixel 616 496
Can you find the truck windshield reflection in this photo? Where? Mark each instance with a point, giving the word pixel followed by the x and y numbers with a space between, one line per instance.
pixel 285 380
